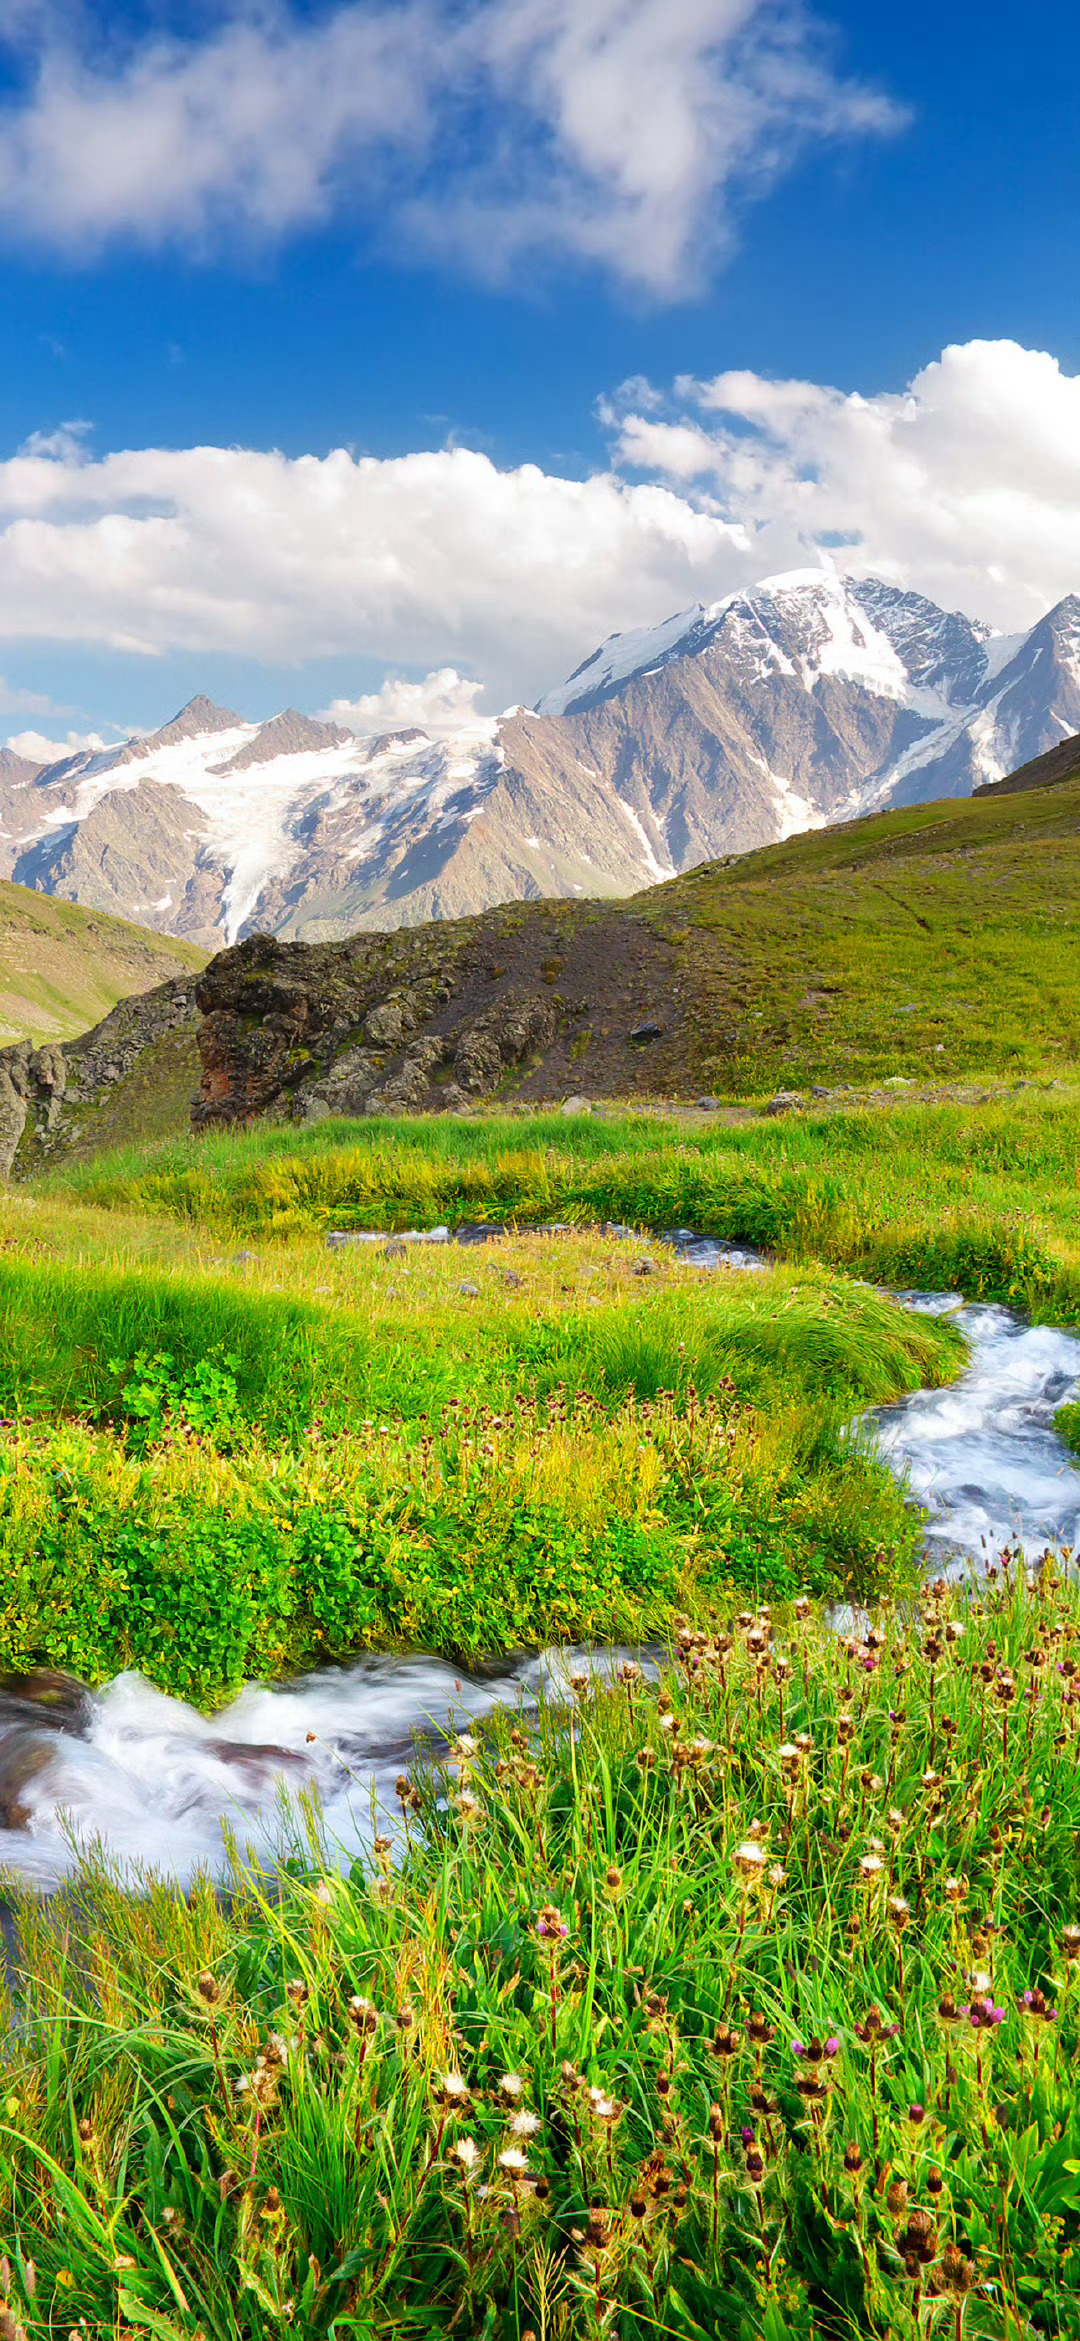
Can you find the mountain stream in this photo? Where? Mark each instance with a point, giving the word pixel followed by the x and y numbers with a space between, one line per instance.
pixel 157 1786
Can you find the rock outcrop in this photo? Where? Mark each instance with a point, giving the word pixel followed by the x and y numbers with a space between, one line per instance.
pixel 54 1098
pixel 430 1019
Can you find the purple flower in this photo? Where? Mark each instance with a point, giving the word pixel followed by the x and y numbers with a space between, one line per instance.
pixel 748 2134
pixel 1026 1999
pixel 798 2048
pixel 832 2045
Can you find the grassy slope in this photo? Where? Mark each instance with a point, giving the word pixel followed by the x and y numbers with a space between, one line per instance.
pixel 936 941
pixel 62 968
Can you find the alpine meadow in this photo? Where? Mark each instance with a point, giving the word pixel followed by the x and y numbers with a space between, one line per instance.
pixel 539 1173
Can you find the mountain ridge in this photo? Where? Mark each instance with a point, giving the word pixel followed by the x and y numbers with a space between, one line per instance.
pixel 807 700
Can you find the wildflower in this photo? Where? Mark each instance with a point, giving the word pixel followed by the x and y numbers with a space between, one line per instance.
pixel 604 2107
pixel 454 2088
pixel 514 2161
pixel 525 2125
pixel 955 1890
pixel 750 1862
pixel 1070 1943
pixel 511 2085
pixel 870 1868
pixel 899 1911
pixel 853 2160
pixel 551 1923
pixel 916 2114
pixel 983 2015
pixel 1034 2003
pixel 468 2154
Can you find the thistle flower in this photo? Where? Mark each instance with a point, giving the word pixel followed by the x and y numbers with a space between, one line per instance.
pixel 551 1923
pixel 870 1868
pixel 512 2085
pixel 750 1862
pixel 453 2088
pixel 513 2161
pixel 468 2154
pixel 525 2125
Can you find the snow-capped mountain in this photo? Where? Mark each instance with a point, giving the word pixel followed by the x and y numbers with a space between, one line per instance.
pixel 808 700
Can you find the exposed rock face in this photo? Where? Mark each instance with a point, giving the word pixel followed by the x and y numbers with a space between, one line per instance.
pixel 51 1096
pixel 423 1020
pixel 289 734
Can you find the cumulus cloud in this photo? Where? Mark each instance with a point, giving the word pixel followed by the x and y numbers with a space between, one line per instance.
pixel 420 560
pixel 442 703
pixel 39 749
pixel 619 131
pixel 964 484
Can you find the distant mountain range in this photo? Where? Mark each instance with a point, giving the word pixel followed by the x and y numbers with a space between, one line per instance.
pixel 810 700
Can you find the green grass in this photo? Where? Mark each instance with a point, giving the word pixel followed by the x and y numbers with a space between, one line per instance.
pixel 660 2025
pixel 63 967
pixel 220 1473
pixel 985 1198
pixel 939 940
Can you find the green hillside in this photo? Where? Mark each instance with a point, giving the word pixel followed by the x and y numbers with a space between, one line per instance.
pixel 937 941
pixel 62 968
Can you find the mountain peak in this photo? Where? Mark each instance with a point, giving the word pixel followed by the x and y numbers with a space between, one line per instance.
pixel 287 734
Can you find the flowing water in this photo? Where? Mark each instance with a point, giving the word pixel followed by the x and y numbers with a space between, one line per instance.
pixel 158 1785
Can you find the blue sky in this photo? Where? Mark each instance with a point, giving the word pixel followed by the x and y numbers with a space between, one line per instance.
pixel 832 199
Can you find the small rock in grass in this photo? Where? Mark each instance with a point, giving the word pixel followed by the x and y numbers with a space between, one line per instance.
pixel 516 1283
pixel 648 1030
pixel 469 1292
pixel 785 1102
pixel 707 1105
pixel 577 1105
pixel 643 1268
pixel 394 1250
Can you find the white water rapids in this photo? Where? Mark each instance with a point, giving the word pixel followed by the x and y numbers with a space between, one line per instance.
pixel 157 1785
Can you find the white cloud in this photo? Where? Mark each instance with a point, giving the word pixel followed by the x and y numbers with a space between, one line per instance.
pixel 418 560
pixel 616 130
pixel 965 484
pixel 38 749
pixel 444 702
